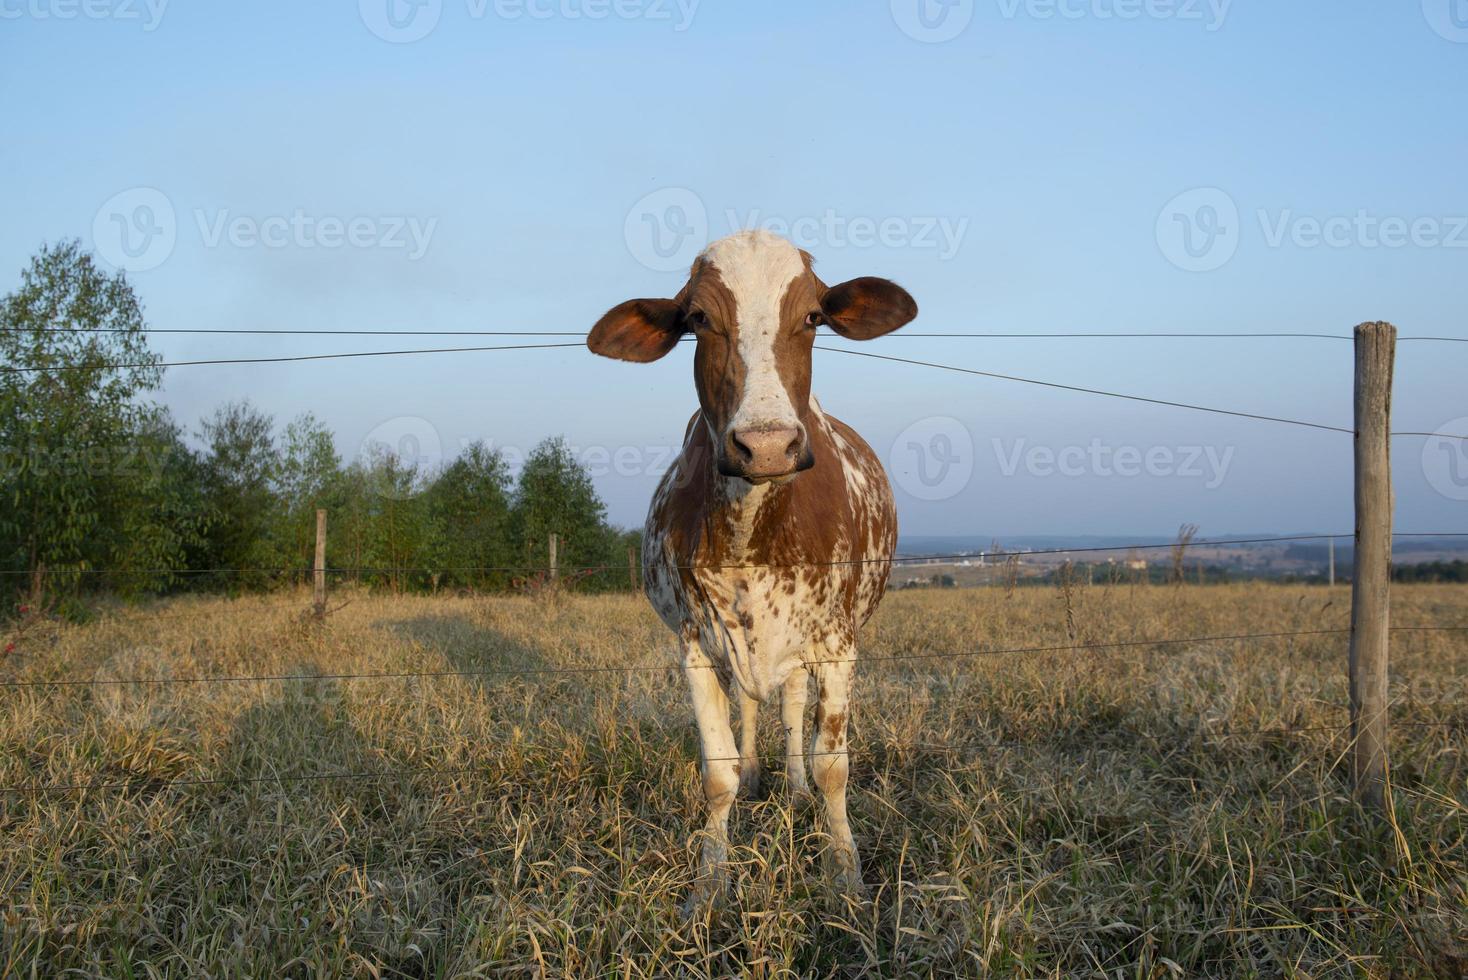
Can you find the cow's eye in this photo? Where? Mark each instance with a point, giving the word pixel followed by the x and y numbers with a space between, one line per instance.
pixel 814 319
pixel 698 319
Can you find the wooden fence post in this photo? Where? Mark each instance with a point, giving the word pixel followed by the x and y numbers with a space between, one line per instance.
pixel 1371 579
pixel 555 571
pixel 632 567
pixel 320 566
pixel 1332 562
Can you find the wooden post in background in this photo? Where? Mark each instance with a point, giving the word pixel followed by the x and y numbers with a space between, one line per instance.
pixel 632 567
pixel 1371 580
pixel 1332 561
pixel 555 572
pixel 320 567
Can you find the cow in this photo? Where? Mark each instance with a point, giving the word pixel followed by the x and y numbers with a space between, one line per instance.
pixel 769 540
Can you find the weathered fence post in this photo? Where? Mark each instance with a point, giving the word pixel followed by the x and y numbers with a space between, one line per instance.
pixel 320 567
pixel 632 567
pixel 1332 562
pixel 555 571
pixel 1371 579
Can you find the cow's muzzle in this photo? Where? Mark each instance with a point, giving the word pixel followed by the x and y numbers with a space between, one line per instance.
pixel 762 454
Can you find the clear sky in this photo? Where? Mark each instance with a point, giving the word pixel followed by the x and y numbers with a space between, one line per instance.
pixel 1021 166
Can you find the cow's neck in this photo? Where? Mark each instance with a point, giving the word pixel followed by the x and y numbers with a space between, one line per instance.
pixel 739 504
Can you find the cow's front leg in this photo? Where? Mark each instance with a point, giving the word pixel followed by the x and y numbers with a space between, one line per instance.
pixel 748 746
pixel 792 713
pixel 720 768
pixel 828 756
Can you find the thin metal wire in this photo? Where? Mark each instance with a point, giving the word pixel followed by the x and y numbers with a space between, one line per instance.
pixel 897 560
pixel 966 335
pixel 283 360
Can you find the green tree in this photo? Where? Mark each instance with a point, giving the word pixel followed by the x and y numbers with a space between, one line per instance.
pixel 69 414
pixel 309 477
pixel 469 513
pixel 241 467
pixel 555 495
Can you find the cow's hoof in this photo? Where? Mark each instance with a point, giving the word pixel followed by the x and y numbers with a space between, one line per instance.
pixel 749 783
pixel 801 799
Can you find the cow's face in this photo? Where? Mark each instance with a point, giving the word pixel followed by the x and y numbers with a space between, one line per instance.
pixel 753 305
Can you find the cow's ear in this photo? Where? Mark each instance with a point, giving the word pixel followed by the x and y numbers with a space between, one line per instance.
pixel 861 309
pixel 638 330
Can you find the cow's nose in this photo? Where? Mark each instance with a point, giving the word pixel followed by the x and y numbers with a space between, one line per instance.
pixel 766 452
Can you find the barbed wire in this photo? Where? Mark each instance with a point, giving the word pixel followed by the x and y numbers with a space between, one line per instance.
pixel 996 554
pixel 670 666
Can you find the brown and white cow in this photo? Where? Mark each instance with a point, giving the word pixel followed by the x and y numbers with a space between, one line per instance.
pixel 768 543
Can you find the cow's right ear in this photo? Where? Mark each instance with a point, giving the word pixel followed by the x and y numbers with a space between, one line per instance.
pixel 638 330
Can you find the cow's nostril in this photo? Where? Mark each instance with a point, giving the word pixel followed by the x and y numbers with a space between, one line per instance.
pixel 741 450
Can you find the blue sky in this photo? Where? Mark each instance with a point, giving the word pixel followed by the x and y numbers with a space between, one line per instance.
pixel 1054 165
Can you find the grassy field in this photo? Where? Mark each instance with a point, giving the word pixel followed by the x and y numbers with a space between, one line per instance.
pixel 1096 812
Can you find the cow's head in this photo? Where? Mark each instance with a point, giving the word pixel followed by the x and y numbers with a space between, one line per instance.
pixel 753 305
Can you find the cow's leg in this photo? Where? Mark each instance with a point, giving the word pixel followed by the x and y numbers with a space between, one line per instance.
pixel 748 746
pixel 828 759
pixel 720 767
pixel 792 713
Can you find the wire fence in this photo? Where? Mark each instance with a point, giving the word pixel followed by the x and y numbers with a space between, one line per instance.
pixel 154 783
pixel 1188 406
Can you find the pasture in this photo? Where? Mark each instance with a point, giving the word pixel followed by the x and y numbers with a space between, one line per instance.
pixel 1086 810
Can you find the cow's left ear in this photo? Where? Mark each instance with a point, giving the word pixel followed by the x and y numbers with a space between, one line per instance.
pixel 638 330
pixel 861 309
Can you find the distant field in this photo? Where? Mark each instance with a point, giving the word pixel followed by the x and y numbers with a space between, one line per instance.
pixel 1077 812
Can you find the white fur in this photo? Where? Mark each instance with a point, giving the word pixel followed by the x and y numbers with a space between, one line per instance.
pixel 757 267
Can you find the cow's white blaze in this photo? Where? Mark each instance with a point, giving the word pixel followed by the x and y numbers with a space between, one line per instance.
pixel 757 267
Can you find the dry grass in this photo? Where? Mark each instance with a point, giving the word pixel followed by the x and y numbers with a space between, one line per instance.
pixel 1078 814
